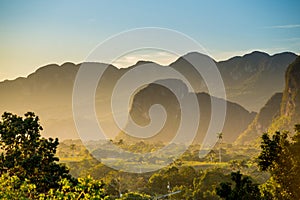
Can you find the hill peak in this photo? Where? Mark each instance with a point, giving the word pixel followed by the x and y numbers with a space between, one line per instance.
pixel 141 62
pixel 257 55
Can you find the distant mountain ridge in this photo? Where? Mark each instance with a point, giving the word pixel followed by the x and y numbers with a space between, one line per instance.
pixel 250 80
pixel 48 91
pixel 260 77
pixel 281 112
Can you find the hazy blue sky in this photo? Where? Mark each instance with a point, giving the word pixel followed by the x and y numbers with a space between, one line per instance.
pixel 34 33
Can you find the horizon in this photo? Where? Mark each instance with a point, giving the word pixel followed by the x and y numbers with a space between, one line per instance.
pixel 118 62
pixel 35 34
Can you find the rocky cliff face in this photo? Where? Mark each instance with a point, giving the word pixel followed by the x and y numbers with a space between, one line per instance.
pixel 290 105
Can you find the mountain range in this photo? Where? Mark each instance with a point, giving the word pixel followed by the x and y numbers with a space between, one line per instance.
pixel 249 81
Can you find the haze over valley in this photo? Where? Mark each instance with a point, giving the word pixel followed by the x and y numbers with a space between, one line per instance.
pixel 250 81
pixel 150 100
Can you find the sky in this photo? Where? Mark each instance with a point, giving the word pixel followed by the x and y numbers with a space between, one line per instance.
pixel 35 33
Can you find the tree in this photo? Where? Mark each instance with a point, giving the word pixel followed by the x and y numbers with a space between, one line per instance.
pixel 220 137
pixel 243 188
pixel 157 184
pixel 12 188
pixel 27 155
pixel 205 184
pixel 86 189
pixel 280 157
pixel 73 148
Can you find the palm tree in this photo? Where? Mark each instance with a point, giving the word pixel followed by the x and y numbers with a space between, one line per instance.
pixel 73 147
pixel 220 137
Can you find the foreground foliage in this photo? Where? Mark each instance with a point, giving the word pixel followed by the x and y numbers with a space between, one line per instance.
pixel 243 188
pixel 29 169
pixel 13 188
pixel 27 155
pixel 280 156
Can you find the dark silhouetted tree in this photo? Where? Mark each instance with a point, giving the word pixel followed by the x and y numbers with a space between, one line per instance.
pixel 280 156
pixel 242 188
pixel 27 155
